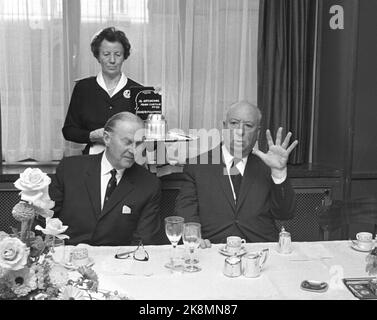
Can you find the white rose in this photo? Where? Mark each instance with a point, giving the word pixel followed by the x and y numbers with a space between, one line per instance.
pixel 13 253
pixel 33 184
pixel 44 201
pixel 54 227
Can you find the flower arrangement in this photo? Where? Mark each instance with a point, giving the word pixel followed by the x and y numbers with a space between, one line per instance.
pixel 371 268
pixel 27 266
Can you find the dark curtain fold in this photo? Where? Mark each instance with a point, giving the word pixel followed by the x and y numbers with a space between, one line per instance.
pixel 286 39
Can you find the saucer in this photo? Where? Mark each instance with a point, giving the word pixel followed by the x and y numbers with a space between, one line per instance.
pixel 223 251
pixel 357 248
pixel 71 266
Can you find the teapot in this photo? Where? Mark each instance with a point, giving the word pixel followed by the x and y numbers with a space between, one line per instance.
pixel 253 262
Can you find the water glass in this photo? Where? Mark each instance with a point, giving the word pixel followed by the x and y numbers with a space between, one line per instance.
pixel 191 238
pixel 173 230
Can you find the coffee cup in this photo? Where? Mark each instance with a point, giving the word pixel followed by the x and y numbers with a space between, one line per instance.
pixel 364 240
pixel 234 244
pixel 364 236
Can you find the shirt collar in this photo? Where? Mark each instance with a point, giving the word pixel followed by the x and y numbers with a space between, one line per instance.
pixel 122 82
pixel 228 158
pixel 106 167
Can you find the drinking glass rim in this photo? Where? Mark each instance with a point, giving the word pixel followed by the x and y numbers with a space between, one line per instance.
pixel 174 219
pixel 192 224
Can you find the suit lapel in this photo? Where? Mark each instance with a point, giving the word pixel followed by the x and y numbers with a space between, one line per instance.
pixel 223 177
pixel 247 180
pixel 93 183
pixel 125 186
pixel 101 91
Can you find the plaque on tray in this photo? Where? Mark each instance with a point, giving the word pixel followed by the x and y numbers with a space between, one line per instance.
pixel 146 101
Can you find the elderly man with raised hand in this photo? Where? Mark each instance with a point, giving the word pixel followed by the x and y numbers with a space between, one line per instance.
pixel 246 190
pixel 107 198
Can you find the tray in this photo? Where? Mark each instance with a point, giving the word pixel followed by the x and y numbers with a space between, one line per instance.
pixel 359 287
pixel 171 137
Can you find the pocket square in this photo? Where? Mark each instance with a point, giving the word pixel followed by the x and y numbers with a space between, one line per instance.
pixel 126 210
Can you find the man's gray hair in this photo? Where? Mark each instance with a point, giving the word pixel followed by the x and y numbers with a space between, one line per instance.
pixel 246 103
pixel 122 116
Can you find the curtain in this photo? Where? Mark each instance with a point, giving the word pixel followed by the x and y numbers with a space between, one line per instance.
pixel 220 59
pixel 285 70
pixel 202 53
pixel 31 82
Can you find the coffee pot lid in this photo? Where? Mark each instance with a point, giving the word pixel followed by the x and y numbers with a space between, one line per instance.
pixel 155 117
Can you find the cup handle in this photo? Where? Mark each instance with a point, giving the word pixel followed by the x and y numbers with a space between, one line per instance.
pixel 264 255
pixel 243 241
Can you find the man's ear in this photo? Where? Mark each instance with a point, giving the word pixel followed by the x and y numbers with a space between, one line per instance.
pixel 106 138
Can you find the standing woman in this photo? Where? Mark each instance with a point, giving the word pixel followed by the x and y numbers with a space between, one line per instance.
pixel 95 99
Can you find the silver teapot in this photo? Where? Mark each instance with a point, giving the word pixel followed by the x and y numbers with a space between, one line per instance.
pixel 253 262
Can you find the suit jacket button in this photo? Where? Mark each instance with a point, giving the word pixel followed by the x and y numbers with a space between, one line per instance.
pixel 110 107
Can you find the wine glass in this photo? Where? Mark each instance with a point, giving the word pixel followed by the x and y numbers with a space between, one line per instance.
pixel 173 230
pixel 191 238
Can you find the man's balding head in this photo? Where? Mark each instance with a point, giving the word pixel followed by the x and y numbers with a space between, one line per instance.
pixel 241 124
pixel 123 136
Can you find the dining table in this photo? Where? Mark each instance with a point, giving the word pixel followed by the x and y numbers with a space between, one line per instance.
pixel 280 277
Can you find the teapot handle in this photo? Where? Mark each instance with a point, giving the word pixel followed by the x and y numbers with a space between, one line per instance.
pixel 264 255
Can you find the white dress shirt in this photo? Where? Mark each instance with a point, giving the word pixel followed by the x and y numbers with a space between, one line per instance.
pixel 228 160
pixel 106 167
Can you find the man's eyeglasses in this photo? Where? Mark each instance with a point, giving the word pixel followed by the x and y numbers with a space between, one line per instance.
pixel 139 254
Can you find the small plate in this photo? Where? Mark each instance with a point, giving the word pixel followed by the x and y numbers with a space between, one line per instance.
pixel 357 248
pixel 223 251
pixel 71 266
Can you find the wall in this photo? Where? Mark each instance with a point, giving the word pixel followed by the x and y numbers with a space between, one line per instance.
pixel 364 169
pixel 334 74
pixel 346 106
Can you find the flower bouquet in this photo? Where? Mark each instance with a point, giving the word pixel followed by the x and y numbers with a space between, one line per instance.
pixel 28 269
pixel 371 268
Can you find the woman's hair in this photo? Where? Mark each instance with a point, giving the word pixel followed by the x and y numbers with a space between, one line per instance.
pixel 110 34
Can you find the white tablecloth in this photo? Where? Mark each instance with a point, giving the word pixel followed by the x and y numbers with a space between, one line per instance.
pixel 280 279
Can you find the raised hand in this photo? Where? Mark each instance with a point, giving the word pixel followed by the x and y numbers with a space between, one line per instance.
pixel 277 155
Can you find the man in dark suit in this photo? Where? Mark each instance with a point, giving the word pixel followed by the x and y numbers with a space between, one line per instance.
pixel 108 199
pixel 240 190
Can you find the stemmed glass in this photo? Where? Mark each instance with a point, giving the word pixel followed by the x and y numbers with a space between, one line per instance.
pixel 191 238
pixel 173 230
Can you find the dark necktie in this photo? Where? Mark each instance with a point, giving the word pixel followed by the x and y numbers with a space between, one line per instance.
pixel 111 185
pixel 236 176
